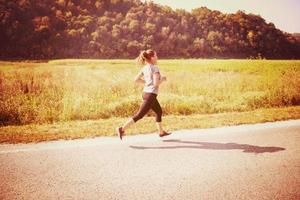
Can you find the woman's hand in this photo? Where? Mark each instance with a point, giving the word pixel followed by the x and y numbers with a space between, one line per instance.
pixel 139 78
pixel 163 78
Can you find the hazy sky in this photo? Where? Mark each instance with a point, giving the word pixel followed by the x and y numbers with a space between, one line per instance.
pixel 285 14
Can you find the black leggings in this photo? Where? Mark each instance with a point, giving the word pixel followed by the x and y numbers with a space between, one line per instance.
pixel 149 102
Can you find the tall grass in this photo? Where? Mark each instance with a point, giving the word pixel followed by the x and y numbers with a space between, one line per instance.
pixel 63 90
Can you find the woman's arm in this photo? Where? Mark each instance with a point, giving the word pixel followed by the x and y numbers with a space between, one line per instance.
pixel 157 79
pixel 138 78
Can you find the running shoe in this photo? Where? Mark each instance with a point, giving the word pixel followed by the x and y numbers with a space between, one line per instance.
pixel 164 134
pixel 120 132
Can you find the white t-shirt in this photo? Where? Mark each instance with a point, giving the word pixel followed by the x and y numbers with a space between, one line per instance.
pixel 148 70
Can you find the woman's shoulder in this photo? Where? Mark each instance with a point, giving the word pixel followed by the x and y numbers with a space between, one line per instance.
pixel 151 67
pixel 154 68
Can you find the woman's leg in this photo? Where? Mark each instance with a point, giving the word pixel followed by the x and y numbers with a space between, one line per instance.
pixel 148 100
pixel 158 111
pixel 159 127
pixel 127 124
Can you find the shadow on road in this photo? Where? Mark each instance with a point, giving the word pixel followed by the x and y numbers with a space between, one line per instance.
pixel 215 146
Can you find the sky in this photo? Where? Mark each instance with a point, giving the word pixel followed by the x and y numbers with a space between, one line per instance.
pixel 285 14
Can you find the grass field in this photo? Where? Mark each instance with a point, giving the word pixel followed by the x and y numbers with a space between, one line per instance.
pixel 73 89
pixel 105 127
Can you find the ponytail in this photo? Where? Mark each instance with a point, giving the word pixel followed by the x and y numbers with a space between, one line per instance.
pixel 144 56
pixel 141 59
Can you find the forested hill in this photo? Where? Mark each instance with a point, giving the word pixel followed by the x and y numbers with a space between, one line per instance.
pixel 43 29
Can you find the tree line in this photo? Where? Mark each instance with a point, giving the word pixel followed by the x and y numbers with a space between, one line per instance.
pixel 46 29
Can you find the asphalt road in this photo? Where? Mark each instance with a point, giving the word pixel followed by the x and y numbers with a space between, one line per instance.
pixel 259 161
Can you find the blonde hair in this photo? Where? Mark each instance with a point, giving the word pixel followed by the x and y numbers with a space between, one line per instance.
pixel 145 55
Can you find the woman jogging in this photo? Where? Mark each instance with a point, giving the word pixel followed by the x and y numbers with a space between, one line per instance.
pixel 150 76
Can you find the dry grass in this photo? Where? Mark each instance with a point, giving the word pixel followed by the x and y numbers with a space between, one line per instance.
pixel 106 127
pixel 67 99
pixel 64 90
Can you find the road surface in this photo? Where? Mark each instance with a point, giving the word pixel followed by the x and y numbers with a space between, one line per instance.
pixel 260 161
